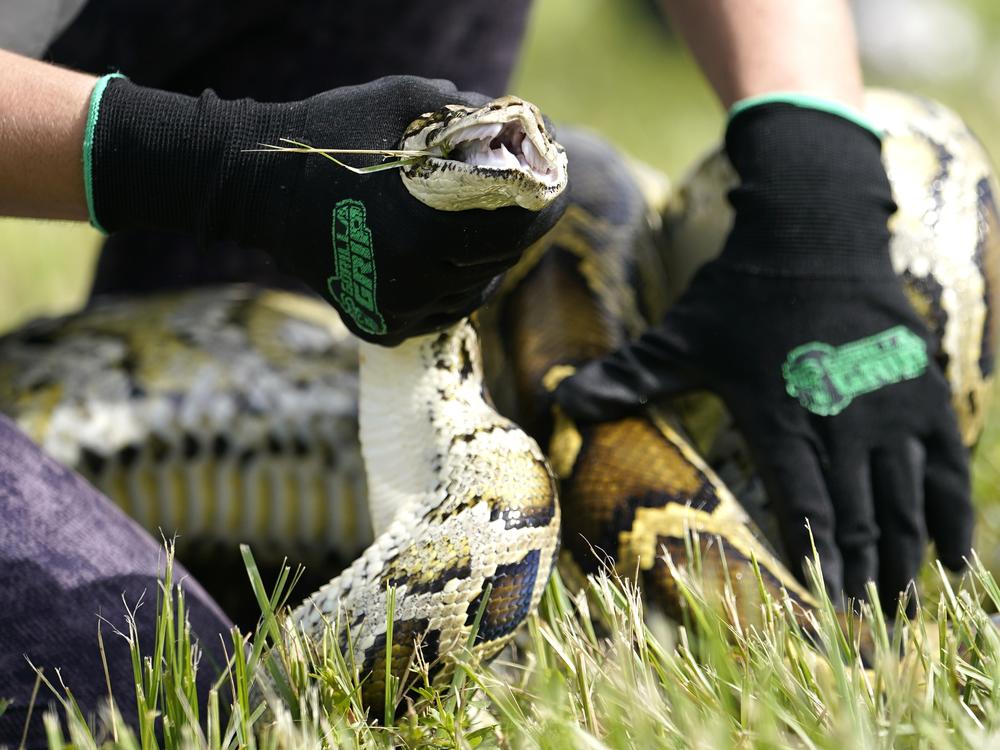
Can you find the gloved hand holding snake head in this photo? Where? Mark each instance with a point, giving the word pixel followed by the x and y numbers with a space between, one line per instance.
pixel 804 330
pixel 392 266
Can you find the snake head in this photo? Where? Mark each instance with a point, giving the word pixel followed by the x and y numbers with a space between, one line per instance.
pixel 501 154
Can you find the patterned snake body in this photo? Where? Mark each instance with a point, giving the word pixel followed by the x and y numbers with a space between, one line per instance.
pixel 467 503
pixel 231 414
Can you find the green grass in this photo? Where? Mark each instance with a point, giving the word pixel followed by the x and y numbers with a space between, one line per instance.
pixel 45 268
pixel 590 670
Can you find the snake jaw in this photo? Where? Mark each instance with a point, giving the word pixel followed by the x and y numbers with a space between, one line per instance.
pixel 498 155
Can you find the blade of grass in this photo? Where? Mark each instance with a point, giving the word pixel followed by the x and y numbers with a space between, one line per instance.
pixel 407 157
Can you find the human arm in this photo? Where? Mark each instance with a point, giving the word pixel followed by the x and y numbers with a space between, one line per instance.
pixel 43 109
pixel 747 48
pixel 878 466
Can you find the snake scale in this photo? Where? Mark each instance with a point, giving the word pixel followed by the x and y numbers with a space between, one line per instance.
pixel 232 414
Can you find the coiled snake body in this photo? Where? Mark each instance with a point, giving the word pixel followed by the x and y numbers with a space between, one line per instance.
pixel 231 413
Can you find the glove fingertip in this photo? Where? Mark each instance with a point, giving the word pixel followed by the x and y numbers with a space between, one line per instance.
pixel 953 544
pixel 955 564
pixel 540 222
pixel 590 396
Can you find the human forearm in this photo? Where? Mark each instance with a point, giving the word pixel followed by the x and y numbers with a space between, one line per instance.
pixel 748 48
pixel 43 110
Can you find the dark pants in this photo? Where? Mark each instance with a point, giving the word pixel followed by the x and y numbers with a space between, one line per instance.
pixel 67 555
pixel 68 559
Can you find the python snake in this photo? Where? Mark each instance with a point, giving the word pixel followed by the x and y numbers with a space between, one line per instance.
pixel 231 413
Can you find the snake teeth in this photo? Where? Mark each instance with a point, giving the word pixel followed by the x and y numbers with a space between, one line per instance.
pixel 536 160
pixel 505 146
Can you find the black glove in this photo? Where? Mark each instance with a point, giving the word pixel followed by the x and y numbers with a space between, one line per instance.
pixel 164 161
pixel 804 330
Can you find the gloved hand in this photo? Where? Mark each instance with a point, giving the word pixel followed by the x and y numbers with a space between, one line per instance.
pixel 164 161
pixel 804 330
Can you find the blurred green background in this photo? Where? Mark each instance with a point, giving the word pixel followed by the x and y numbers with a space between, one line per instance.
pixel 612 65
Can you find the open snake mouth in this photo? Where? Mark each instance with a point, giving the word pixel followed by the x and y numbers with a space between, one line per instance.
pixel 504 146
pixel 499 154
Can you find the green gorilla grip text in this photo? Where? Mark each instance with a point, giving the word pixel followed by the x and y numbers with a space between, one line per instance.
pixel 825 379
pixel 353 284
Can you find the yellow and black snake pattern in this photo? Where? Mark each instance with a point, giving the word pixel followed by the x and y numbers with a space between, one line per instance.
pixel 231 414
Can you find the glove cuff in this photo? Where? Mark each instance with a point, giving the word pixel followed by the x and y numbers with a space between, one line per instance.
pixel 808 101
pixel 813 198
pixel 88 146
pixel 160 160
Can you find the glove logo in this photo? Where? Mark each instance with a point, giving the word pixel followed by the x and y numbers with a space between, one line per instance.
pixel 825 379
pixel 352 285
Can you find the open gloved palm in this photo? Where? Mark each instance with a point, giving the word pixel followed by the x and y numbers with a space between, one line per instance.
pixel 804 330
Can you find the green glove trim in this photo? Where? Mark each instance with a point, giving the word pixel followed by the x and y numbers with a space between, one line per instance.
pixel 825 379
pixel 808 101
pixel 88 146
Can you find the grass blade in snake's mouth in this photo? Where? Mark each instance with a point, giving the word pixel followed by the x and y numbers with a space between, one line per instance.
pixel 400 158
